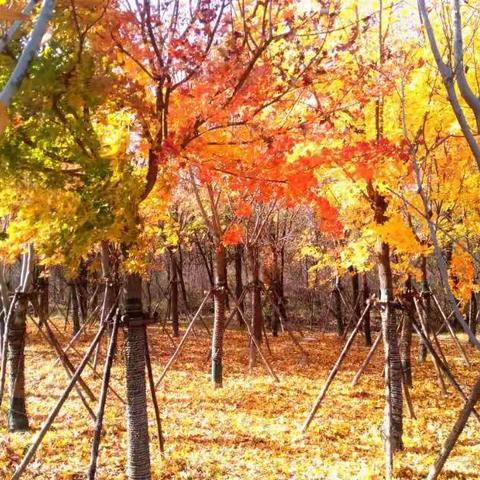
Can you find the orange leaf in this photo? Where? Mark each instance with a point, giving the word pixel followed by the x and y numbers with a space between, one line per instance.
pixel 233 235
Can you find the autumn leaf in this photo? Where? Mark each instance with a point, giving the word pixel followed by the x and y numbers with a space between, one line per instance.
pixel 233 235
pixel 243 209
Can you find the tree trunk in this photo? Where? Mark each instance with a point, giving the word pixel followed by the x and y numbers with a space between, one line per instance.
pixel 427 306
pixel 239 283
pixel 138 455
pixel 43 300
pixel 256 299
pixel 282 301
pixel 278 308
pixel 473 313
pixel 206 260
pixel 174 294
pixel 219 302
pixel 75 307
pixel 355 294
pixel 181 279
pixel 367 334
pixel 107 273
pixel 393 416
pixel 17 415
pixel 406 334
pixel 275 309
pixel 82 291
pixel 225 275
pixel 337 302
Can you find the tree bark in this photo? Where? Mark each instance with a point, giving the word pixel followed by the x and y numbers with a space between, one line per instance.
pixel 393 415
pixel 337 301
pixel 427 306
pixel 43 300
pixel 82 291
pixel 29 52
pixel 367 333
pixel 219 304
pixel 278 293
pixel 17 414
pixel 138 454
pixel 174 294
pixel 181 279
pixel 406 333
pixel 256 302
pixel 473 313
pixel 239 283
pixel 75 307
pixel 355 293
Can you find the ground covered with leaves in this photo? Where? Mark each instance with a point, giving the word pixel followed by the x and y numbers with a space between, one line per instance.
pixel 251 428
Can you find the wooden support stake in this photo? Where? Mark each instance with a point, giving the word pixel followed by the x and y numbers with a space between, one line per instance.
pixel 65 359
pixel 92 469
pixel 267 341
pixel 441 382
pixel 444 368
pixel 369 356
pixel 446 321
pixel 89 365
pixel 151 382
pixel 455 433
pixel 335 369
pixel 408 398
pixel 182 341
pixel 67 371
pixel 252 338
pixel 53 414
pixel 286 328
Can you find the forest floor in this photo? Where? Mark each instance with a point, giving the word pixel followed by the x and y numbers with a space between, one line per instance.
pixel 251 428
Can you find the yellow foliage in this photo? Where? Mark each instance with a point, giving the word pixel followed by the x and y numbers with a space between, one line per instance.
pixel 399 236
pixel 462 275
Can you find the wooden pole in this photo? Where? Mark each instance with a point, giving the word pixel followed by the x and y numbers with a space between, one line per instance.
pixel 67 371
pixel 151 382
pixel 286 328
pixel 455 433
pixel 74 339
pixel 182 341
pixel 335 369
pixel 66 360
pixel 254 340
pixel 408 398
pixel 103 399
pixel 46 426
pixel 267 341
pixel 365 363
pixel 435 362
pixel 452 333
pixel 444 368
pixel 89 365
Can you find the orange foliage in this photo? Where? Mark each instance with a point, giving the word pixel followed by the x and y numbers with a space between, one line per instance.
pixel 233 235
